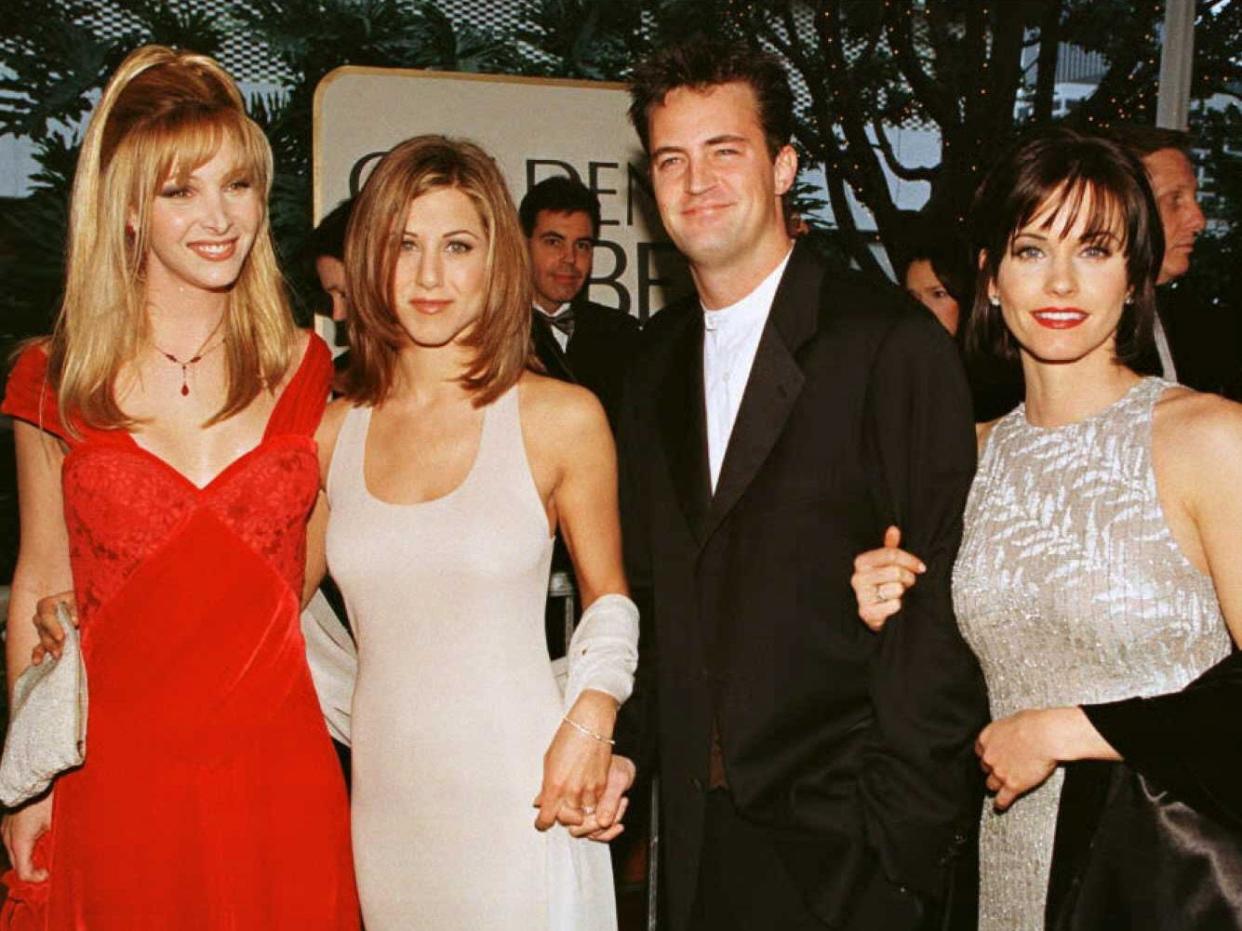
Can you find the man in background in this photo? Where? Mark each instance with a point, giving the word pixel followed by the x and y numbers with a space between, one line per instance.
pixel 1199 341
pixel 576 339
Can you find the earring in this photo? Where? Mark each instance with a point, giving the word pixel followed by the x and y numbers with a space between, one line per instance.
pixel 1129 300
pixel 994 301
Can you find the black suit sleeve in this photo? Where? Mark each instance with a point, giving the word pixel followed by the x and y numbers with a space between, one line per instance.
pixel 1189 742
pixel 636 722
pixel 920 783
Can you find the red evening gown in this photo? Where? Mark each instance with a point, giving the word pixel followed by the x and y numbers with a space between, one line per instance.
pixel 210 797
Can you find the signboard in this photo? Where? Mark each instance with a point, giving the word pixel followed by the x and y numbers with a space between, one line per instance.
pixel 535 128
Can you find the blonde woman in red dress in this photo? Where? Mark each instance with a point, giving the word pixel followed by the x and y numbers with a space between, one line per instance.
pixel 166 471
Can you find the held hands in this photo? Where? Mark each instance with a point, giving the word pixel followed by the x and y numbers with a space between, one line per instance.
pixel 583 784
pixel 21 829
pixel 48 616
pixel 881 578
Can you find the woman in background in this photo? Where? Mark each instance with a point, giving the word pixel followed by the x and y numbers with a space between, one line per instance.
pixel 448 467
pixel 1098 558
pixel 937 272
pixel 166 470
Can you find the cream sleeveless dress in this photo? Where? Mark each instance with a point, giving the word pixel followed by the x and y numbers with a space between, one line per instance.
pixel 1071 590
pixel 455 701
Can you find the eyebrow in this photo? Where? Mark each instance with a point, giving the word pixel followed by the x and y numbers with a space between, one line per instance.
pixel 714 140
pixel 414 233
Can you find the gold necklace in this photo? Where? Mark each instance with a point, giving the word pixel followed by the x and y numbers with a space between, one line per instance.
pixel 202 353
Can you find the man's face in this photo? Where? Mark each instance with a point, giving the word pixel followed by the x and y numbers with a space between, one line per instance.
pixel 562 246
pixel 717 187
pixel 1173 182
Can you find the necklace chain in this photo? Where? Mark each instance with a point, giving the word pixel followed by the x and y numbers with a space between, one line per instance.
pixel 200 354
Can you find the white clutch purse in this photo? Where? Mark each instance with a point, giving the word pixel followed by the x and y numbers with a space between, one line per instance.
pixel 47 725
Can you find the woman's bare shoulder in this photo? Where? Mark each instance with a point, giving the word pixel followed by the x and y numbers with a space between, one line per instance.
pixel 1202 431
pixel 552 402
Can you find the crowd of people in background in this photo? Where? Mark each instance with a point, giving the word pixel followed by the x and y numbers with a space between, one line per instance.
pixel 918 599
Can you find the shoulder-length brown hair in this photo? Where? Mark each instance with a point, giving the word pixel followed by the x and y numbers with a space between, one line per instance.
pixel 1057 170
pixel 501 337
pixel 164 112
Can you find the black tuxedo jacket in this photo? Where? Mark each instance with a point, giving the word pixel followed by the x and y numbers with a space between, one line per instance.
pixel 854 749
pixel 603 344
pixel 1205 339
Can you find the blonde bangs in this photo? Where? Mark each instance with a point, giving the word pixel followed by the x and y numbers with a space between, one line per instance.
pixel 163 115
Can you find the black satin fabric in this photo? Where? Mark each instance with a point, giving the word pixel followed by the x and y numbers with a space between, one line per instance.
pixel 1156 843
pixel 1147 862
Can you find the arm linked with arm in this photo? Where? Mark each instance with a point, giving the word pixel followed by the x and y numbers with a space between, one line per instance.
pixel 920 784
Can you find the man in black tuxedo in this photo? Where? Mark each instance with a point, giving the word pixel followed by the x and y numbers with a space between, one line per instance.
pixel 813 775
pixel 1198 336
pixel 576 339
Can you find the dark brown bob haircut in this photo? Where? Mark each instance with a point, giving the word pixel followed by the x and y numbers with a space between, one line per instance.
pixel 501 337
pixel 1054 173
pixel 701 64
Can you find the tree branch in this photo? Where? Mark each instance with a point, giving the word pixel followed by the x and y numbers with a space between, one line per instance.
pixel 1046 67
pixel 934 97
pixel 905 172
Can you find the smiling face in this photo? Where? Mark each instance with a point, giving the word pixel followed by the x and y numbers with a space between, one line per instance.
pixel 202 226
pixel 718 188
pixel 562 248
pixel 923 285
pixel 439 281
pixel 1175 187
pixel 1062 285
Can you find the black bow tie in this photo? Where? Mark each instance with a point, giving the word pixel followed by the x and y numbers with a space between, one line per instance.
pixel 564 321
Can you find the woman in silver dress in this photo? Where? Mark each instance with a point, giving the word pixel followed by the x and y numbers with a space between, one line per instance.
pixel 1097 556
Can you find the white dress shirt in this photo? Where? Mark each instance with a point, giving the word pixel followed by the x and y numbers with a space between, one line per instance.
pixel 1169 370
pixel 731 338
pixel 562 338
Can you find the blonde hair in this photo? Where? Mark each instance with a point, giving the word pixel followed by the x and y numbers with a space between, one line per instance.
pixel 501 337
pixel 163 113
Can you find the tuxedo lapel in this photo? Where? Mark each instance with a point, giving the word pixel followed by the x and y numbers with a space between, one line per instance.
pixel 683 429
pixel 774 385
pixel 549 350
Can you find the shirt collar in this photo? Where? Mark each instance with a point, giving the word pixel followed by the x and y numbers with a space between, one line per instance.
pixel 751 309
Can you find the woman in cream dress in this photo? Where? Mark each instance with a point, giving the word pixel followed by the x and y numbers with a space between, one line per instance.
pixel 480 793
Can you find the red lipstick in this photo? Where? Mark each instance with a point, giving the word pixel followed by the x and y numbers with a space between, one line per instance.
pixel 1059 318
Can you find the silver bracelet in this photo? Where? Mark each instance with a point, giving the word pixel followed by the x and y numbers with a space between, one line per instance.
pixel 586 730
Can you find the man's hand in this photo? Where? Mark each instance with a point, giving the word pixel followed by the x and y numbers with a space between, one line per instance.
pixel 604 823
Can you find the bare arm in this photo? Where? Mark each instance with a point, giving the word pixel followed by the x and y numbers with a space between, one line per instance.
pixel 43 556
pixel 42 567
pixel 582 784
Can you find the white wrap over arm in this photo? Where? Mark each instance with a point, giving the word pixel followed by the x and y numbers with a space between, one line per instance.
pixel 603 653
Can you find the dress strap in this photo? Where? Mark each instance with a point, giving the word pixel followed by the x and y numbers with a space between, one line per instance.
pixel 346 481
pixel 300 406
pixel 29 396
